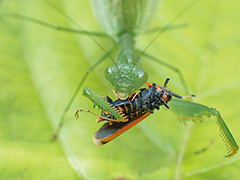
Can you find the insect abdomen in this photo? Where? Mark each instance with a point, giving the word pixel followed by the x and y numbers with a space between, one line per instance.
pixel 129 108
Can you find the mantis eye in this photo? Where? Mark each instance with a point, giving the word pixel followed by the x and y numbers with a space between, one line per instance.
pixel 141 77
pixel 110 74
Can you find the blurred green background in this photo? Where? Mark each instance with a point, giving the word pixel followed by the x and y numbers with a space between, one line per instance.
pixel 40 69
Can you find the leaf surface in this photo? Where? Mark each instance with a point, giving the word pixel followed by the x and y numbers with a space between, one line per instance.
pixel 40 69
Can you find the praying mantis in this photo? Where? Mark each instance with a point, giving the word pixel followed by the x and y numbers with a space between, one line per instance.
pixel 126 73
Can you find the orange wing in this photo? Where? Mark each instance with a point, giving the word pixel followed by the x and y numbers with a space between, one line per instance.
pixel 109 132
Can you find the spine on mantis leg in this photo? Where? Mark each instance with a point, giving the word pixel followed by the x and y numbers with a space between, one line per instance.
pixel 192 111
pixel 102 103
pixel 225 133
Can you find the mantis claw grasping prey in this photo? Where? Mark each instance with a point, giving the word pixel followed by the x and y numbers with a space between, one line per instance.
pixel 124 114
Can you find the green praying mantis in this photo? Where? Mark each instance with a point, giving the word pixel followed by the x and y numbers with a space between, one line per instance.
pixel 123 21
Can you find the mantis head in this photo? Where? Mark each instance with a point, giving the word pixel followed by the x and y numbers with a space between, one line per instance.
pixel 126 79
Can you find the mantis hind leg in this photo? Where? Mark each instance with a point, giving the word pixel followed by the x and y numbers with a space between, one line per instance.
pixel 170 27
pixel 51 26
pixel 55 135
pixel 175 69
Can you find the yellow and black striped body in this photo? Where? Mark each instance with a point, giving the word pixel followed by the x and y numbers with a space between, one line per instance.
pixel 130 107
pixel 146 100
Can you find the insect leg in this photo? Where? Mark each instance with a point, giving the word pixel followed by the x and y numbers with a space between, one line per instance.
pixel 187 110
pixel 171 67
pixel 103 104
pixel 188 96
pixel 115 94
pixel 51 26
pixel 75 94
pixel 171 27
pixel 88 111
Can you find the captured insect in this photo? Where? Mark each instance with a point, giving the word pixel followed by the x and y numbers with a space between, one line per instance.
pixel 124 114
pixel 123 21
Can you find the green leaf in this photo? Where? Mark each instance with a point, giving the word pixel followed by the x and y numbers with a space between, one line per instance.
pixel 40 69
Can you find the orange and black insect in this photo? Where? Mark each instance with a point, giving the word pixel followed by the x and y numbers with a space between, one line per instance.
pixel 146 100
pixel 132 110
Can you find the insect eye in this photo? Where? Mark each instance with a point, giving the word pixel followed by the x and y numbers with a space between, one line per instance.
pixel 169 98
pixel 109 74
pixel 141 76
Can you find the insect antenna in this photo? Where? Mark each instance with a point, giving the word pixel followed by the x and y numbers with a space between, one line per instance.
pixel 164 29
pixel 164 88
pixel 85 31
pixel 166 82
